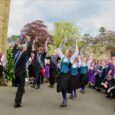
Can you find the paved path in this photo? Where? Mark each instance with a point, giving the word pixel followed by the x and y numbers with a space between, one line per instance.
pixel 46 101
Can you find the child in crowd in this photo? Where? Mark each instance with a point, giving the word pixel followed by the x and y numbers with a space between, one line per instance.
pixel 74 78
pixel 31 68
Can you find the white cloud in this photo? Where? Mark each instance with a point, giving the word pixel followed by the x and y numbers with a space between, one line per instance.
pixel 106 20
pixel 50 26
pixel 87 14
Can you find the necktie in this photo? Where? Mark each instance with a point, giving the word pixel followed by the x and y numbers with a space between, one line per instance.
pixel 17 59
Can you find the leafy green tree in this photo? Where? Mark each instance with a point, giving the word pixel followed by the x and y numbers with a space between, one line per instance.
pixel 65 30
pixel 86 35
pixel 102 30
pixel 12 38
pixel 15 37
pixel 9 71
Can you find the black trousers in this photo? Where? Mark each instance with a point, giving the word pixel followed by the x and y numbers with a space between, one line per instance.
pixel 41 78
pixel 21 84
pixel 31 70
pixel 1 70
pixel 53 74
pixel 113 92
pixel 14 82
pixel 37 79
pixel 104 88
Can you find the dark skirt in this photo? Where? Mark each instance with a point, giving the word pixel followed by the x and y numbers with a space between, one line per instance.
pixel 74 83
pixel 83 79
pixel 63 82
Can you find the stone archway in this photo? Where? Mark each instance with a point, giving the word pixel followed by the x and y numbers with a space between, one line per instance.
pixel 4 17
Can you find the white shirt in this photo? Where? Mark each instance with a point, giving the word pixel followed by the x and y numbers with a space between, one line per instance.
pixel 72 58
pixel 3 60
pixel 75 65
pixel 82 64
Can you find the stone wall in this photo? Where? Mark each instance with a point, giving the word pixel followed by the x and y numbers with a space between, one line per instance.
pixel 4 17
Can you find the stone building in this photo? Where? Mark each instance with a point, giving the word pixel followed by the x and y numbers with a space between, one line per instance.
pixel 4 17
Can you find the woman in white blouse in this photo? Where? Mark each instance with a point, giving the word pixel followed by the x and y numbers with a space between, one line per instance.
pixel 2 63
pixel 63 79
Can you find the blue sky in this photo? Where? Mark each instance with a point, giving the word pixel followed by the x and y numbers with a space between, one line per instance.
pixel 89 15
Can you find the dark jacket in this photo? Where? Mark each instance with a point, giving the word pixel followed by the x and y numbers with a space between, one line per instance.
pixel 54 61
pixel 20 66
pixel 39 64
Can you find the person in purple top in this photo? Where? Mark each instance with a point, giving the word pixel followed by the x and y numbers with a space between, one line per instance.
pixel 111 67
pixel 47 67
pixel 91 75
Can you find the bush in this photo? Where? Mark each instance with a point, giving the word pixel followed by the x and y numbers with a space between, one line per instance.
pixel 9 70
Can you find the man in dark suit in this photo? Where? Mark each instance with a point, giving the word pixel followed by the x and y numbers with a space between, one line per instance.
pixel 20 69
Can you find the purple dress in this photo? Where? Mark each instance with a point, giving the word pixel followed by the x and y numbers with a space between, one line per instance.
pixel 91 75
pixel 47 66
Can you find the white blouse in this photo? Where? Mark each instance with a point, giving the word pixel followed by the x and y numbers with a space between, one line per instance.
pixel 75 65
pixel 72 58
pixel 3 60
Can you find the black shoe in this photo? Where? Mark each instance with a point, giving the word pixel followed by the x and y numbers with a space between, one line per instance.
pixel 82 91
pixel 64 104
pixel 17 106
pixel 42 82
pixel 24 91
pixel 112 97
pixel 89 85
pixel 108 96
pixel 93 87
pixel 37 87
pixel 75 96
pixel 30 82
pixel 98 89
pixel 51 86
pixel 32 86
pixel 71 97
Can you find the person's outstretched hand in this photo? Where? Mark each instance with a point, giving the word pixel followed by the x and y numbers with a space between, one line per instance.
pixel 76 46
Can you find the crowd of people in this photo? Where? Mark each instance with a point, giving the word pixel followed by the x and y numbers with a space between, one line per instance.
pixel 69 70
